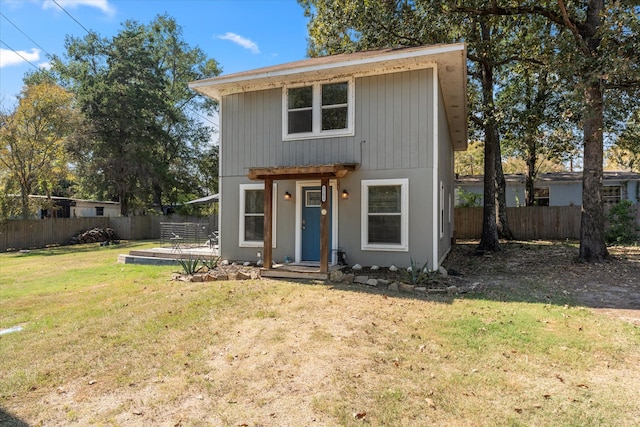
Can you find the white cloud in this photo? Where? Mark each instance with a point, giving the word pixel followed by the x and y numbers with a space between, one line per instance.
pixel 9 57
pixel 103 5
pixel 239 40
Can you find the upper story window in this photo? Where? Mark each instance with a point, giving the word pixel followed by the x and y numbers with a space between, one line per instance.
pixel 318 110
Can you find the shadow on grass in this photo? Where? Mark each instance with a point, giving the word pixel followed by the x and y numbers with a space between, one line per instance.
pixel 539 272
pixel 81 248
pixel 9 420
pixel 549 272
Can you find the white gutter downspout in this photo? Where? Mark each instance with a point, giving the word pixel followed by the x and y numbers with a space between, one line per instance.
pixel 435 182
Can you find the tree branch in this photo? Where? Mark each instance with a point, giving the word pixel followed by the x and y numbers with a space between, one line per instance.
pixel 562 19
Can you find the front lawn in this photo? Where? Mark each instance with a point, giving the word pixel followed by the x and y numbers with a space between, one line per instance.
pixel 112 344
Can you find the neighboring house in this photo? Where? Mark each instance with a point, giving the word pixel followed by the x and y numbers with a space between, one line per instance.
pixel 66 207
pixel 560 188
pixel 349 153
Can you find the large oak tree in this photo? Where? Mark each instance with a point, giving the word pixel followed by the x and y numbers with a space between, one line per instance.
pixel 604 55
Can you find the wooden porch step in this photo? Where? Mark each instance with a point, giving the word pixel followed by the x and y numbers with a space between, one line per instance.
pixel 278 273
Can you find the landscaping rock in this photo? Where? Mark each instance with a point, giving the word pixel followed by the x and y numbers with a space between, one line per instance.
pixel 393 287
pixel 372 282
pixel 241 275
pixel 452 290
pixel 443 271
pixel 336 276
pixel 375 267
pixel 393 268
pixel 403 287
pixel 349 278
pixel 357 267
pixel 383 282
pixel 361 279
pixel 420 290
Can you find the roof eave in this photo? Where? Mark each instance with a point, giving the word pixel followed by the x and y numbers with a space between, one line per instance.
pixel 449 60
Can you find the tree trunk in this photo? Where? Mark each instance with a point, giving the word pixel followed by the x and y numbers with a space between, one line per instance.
pixel 489 240
pixel 504 231
pixel 124 203
pixel 529 182
pixel 24 197
pixel 593 247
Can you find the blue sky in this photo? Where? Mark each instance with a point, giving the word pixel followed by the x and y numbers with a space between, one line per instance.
pixel 240 35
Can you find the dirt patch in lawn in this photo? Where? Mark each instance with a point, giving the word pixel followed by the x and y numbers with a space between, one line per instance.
pixel 540 271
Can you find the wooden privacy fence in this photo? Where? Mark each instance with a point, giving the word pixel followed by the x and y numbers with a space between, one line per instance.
pixel 39 233
pixel 526 223
pixel 530 223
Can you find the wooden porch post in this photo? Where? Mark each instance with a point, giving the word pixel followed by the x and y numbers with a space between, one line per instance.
pixel 268 215
pixel 324 225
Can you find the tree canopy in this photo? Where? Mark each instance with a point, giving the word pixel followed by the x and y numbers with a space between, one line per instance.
pixel 581 54
pixel 34 141
pixel 146 129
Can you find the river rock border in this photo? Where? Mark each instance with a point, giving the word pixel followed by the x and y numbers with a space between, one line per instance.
pixel 443 284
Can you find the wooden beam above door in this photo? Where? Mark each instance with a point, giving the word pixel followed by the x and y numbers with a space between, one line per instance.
pixel 335 170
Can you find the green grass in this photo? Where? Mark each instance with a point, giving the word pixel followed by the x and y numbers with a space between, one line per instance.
pixel 285 353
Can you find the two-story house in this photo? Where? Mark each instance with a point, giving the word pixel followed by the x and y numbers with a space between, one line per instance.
pixel 348 153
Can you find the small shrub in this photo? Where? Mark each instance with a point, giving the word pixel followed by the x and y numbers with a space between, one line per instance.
pixel 468 199
pixel 622 226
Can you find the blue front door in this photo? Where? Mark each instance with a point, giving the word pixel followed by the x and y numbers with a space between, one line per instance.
pixel 311 199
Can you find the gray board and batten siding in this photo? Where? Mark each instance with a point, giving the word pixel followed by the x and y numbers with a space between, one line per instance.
pixel 393 128
pixel 393 138
pixel 408 114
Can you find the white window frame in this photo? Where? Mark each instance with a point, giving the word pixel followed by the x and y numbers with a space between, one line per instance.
pixel 316 119
pixel 404 215
pixel 242 242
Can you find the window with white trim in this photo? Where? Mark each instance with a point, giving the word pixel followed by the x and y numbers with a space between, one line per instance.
pixel 252 215
pixel 317 110
pixel 385 214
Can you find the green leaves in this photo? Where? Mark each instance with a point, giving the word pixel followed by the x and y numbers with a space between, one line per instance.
pixel 147 128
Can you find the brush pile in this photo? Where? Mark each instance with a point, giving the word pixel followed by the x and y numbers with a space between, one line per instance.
pixel 104 235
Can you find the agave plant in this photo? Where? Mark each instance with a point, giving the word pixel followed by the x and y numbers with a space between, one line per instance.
pixel 417 275
pixel 210 263
pixel 189 264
